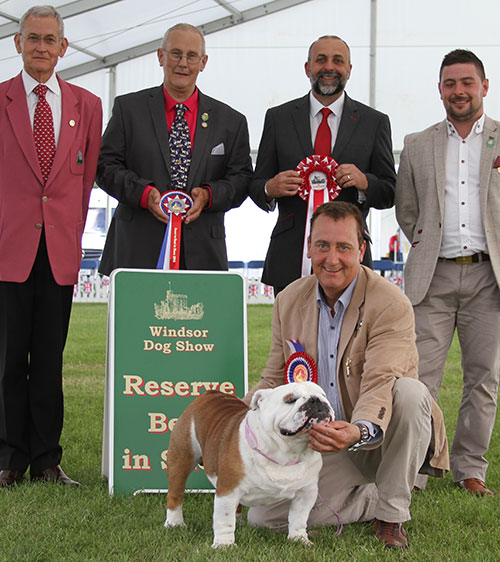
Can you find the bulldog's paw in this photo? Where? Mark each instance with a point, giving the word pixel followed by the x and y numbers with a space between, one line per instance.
pixel 300 538
pixel 169 524
pixel 223 543
pixel 174 518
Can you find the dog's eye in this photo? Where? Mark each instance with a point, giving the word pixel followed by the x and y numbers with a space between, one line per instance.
pixel 289 399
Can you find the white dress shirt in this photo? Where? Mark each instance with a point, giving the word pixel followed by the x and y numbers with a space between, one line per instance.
pixel 463 231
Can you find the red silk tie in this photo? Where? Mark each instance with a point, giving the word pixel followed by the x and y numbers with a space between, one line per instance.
pixel 323 142
pixel 43 132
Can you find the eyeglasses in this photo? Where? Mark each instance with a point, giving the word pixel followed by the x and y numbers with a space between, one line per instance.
pixel 36 39
pixel 177 56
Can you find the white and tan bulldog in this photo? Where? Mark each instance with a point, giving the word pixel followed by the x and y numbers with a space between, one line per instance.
pixel 254 456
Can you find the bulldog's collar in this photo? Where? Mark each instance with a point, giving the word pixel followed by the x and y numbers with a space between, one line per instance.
pixel 253 443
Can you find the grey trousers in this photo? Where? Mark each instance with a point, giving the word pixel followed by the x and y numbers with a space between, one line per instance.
pixel 465 297
pixel 364 484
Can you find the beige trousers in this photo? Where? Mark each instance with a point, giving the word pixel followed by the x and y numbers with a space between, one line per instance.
pixel 465 297
pixel 364 484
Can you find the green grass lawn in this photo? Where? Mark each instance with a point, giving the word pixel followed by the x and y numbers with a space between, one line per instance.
pixel 47 522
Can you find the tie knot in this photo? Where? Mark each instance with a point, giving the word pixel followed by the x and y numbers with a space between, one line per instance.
pixel 180 109
pixel 326 112
pixel 40 91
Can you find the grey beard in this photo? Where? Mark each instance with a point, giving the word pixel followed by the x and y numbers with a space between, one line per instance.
pixel 327 89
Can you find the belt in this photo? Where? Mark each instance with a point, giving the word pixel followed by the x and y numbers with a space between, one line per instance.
pixel 475 258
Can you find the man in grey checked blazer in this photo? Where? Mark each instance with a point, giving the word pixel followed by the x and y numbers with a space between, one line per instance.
pixel 448 205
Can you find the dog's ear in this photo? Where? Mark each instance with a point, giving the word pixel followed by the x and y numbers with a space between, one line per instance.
pixel 258 397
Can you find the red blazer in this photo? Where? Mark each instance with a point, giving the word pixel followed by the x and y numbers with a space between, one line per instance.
pixel 61 206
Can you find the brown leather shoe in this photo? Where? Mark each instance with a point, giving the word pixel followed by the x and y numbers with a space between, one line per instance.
pixel 475 486
pixel 10 477
pixel 54 474
pixel 391 534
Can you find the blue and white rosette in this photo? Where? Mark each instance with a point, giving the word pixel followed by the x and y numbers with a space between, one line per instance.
pixel 175 204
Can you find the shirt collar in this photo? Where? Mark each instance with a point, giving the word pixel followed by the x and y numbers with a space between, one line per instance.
pixel 476 129
pixel 336 107
pixel 191 103
pixel 344 300
pixel 30 83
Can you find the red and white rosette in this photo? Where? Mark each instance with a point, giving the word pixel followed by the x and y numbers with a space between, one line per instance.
pixel 175 204
pixel 319 186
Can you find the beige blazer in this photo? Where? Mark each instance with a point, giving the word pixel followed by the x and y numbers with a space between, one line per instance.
pixel 420 191
pixel 376 347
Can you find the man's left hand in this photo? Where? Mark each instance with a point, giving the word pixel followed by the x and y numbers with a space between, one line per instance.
pixel 201 197
pixel 349 175
pixel 334 436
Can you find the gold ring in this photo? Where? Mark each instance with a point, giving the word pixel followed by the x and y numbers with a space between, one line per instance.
pixel 348 177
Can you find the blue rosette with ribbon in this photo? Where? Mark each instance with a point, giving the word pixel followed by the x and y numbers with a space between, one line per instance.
pixel 175 204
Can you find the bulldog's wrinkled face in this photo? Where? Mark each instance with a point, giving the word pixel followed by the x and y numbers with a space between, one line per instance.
pixel 292 409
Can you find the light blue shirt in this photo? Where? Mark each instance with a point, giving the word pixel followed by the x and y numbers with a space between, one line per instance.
pixel 328 341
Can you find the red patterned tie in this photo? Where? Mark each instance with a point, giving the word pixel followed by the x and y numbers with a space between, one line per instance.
pixel 323 142
pixel 43 132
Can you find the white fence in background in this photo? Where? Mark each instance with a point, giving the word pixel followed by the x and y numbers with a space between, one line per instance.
pixel 92 287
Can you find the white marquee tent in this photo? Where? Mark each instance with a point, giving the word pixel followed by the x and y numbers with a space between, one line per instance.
pixel 256 55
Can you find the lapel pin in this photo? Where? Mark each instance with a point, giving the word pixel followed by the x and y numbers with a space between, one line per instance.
pixel 72 123
pixel 490 142
pixel 204 119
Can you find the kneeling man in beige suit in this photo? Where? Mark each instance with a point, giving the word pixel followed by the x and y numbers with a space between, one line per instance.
pixel 358 329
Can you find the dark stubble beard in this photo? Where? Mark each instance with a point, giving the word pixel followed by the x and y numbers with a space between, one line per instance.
pixel 474 109
pixel 327 89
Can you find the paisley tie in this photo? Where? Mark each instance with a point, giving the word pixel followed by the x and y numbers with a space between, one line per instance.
pixel 180 149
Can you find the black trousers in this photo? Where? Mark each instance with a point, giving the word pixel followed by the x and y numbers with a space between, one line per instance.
pixel 34 321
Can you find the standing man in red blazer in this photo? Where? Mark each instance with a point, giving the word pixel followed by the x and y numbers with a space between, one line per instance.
pixel 49 143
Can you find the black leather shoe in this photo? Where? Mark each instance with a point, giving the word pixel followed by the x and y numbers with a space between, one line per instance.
pixel 10 477
pixel 54 474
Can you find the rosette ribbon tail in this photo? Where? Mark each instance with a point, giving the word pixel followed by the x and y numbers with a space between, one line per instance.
pixel 175 205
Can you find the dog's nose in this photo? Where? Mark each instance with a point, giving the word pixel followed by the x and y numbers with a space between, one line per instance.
pixel 314 401
pixel 316 407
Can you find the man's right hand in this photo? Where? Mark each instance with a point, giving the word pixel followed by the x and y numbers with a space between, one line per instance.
pixel 154 197
pixel 284 184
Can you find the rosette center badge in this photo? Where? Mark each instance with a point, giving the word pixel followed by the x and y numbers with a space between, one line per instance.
pixel 175 203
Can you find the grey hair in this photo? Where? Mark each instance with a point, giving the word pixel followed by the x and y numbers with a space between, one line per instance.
pixel 185 27
pixel 43 12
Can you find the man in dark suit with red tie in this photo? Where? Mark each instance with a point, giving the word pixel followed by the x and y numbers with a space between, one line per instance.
pixel 49 143
pixel 356 136
pixel 137 165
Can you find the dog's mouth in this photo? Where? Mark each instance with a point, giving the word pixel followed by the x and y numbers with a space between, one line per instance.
pixel 306 426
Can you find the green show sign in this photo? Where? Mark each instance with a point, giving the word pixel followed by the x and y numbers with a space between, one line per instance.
pixel 171 336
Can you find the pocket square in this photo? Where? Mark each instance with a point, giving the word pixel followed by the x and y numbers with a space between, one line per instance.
pixel 497 163
pixel 218 150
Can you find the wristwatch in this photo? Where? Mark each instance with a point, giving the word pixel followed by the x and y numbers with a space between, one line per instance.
pixel 365 437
